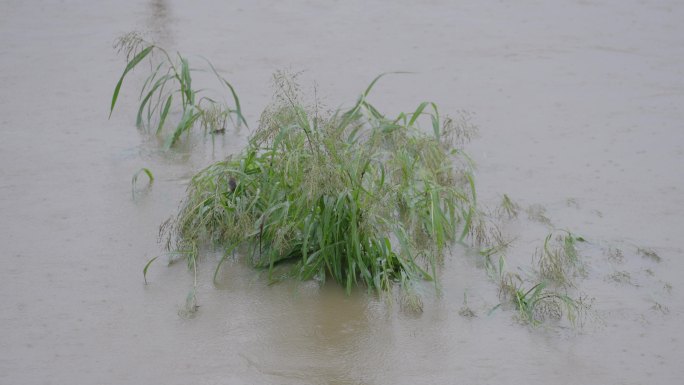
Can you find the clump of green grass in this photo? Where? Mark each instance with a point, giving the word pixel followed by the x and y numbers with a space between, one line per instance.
pixel 169 89
pixel 354 195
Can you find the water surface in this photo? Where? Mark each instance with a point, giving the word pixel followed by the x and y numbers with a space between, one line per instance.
pixel 580 101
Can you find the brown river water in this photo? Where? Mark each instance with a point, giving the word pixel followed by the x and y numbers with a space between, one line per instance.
pixel 580 109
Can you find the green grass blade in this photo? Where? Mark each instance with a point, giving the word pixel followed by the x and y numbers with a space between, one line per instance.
pixel 164 113
pixel 238 109
pixel 416 114
pixel 189 118
pixel 223 259
pixel 147 266
pixel 134 180
pixel 137 59
pixel 435 121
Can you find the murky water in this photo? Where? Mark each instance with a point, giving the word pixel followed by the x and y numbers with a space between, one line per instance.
pixel 580 100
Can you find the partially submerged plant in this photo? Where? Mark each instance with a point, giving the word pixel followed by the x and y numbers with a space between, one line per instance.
pixel 537 304
pixel 465 310
pixel 508 208
pixel 134 180
pixel 558 259
pixel 168 86
pixel 354 196
pixel 543 295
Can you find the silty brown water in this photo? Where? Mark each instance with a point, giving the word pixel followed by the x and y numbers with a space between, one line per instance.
pixel 579 109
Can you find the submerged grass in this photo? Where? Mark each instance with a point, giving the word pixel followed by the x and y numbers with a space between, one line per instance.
pixel 537 300
pixel 134 180
pixel 169 87
pixel 354 196
pixel 508 208
pixel 558 260
pixel 544 294
pixel 537 304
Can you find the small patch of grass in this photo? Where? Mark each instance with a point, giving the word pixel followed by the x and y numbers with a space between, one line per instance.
pixel 558 259
pixel 508 208
pixel 544 295
pixel 169 87
pixel 538 304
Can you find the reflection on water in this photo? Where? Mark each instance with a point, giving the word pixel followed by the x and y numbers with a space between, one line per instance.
pixel 301 332
pixel 158 22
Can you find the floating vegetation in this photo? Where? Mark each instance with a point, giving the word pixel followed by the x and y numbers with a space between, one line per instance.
pixel 557 260
pixel 537 213
pixel 169 86
pixel 658 307
pixel 465 310
pixel 539 303
pixel 482 231
pixel 649 253
pixel 615 255
pixel 572 202
pixel 508 208
pixel 542 295
pixel 621 277
pixel 535 305
pixel 353 195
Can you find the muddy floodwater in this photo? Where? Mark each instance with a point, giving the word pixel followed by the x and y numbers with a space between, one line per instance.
pixel 580 109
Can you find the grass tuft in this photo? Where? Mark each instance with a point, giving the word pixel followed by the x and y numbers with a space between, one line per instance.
pixel 169 88
pixel 352 196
